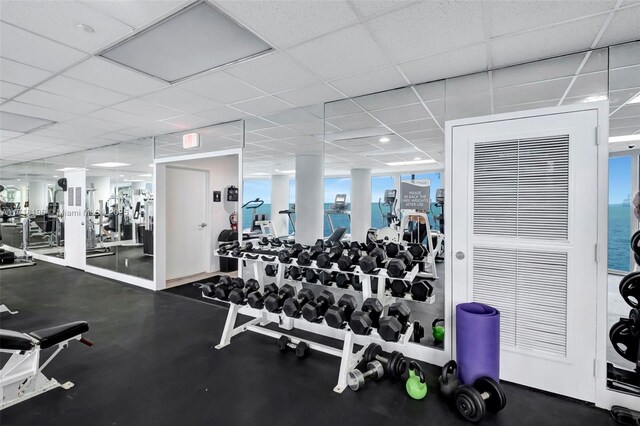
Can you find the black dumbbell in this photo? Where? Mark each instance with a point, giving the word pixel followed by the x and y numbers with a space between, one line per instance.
pixel 367 317
pixel 296 249
pixel 395 322
pixel 238 249
pixel 314 311
pixel 256 299
pixel 327 277
pixel 275 241
pixel 356 378
pixel 311 276
pixel 274 301
pixel 338 315
pixel 344 280
pixel 271 270
pixel 347 261
pixel 222 289
pixel 395 362
pixel 326 259
pixel 368 264
pixel 292 307
pixel 294 273
pixel 418 251
pixel 284 256
pixel 396 268
pixel 208 287
pixel 406 257
pixel 392 249
pixel 301 349
pixel 356 283
pixel 304 259
pixel 472 402
pixel 399 288
pixel 379 255
pixel 421 290
pixel 238 295
pixel 316 251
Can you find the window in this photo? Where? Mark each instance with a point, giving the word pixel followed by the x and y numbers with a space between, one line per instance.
pixel 378 185
pixel 332 187
pixel 619 213
pixel 252 189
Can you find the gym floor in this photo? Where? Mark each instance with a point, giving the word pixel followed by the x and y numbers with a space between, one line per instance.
pixel 154 362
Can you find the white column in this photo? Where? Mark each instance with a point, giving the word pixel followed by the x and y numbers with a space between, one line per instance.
pixel 280 201
pixel 309 198
pixel 37 198
pixel 360 203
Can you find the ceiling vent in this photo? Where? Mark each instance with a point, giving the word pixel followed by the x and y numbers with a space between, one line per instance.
pixel 196 39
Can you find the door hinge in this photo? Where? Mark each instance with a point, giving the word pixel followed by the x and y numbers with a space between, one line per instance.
pixel 596 253
pixel 595 367
pixel 597 135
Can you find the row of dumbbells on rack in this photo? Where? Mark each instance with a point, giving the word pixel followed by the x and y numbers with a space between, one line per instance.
pixel 305 304
pixel 397 260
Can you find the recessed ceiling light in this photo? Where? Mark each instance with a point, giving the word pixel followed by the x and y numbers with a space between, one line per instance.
pixel 120 175
pixel 196 39
pixel 635 99
pixel 285 171
pixel 596 98
pixel 19 180
pixel 69 169
pixel 55 175
pixel 150 165
pixel 146 175
pixel 111 164
pixel 21 123
pixel 260 174
pixel 384 139
pixel 86 28
pixel 410 163
pixel 417 158
pixel 626 138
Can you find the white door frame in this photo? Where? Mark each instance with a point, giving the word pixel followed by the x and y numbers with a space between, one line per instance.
pixel 604 397
pixel 160 218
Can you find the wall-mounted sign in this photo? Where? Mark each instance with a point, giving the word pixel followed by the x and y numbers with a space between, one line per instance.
pixel 414 196
pixel 191 140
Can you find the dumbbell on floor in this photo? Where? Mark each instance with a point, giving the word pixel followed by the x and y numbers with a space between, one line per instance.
pixel 274 301
pixel 219 290
pixel 301 349
pixel 472 402
pixel 338 315
pixel 314 311
pixel 356 379
pixel 367 317
pixel 256 299
pixel 293 306
pixel 395 362
pixel 395 322
pixel 238 295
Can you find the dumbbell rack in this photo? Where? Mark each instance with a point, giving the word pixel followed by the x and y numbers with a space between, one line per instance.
pixel 349 359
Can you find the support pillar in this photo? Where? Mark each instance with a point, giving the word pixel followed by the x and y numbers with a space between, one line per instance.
pixel 309 198
pixel 360 203
pixel 280 201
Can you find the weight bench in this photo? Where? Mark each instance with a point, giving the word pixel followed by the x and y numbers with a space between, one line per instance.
pixel 21 377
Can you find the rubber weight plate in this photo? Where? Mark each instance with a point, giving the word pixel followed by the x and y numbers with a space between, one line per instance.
pixel 497 399
pixel 630 289
pixel 635 241
pixel 469 403
pixel 623 341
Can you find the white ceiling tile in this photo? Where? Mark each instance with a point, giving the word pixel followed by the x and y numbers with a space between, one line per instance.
pixel 310 95
pixel 285 23
pixel 36 111
pixel 22 46
pixel 339 108
pixel 623 27
pixel 94 123
pixel 221 115
pixel 549 69
pixel 262 106
pixel 506 17
pixel 189 121
pixel 221 87
pixel 148 109
pixel 69 131
pixel 623 78
pixel 57 102
pixel 388 99
pixel 543 43
pixel 403 113
pixel 18 73
pixel 449 64
pixel 370 82
pixel 279 132
pixel 5 135
pixel 9 90
pixel 590 85
pixel 104 73
pixel 117 116
pixel 183 100
pixel 535 92
pixel 118 137
pixel 345 52
pixel 137 13
pixel 77 89
pixel 368 8
pixel 429 27
pixel 58 21
pixel 273 72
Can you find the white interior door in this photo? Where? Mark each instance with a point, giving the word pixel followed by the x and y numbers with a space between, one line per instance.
pixel 187 226
pixel 75 245
pixel 524 232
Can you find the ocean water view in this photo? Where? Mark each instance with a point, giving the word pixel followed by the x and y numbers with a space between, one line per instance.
pixel 619 229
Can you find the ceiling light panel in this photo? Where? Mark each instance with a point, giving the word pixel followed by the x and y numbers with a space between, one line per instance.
pixel 197 39
pixel 21 123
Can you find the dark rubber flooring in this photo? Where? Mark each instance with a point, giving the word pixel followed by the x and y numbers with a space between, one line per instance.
pixel 154 363
pixel 129 260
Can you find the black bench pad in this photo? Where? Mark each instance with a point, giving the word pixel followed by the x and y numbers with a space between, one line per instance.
pixel 14 341
pixel 54 335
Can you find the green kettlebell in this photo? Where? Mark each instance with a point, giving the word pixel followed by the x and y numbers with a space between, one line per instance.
pixel 416 383
pixel 438 330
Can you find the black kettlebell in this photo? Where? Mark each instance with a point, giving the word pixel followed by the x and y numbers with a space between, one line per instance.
pixel 449 381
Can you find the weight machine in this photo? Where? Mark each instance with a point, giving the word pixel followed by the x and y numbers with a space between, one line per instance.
pixel 8 259
pixel 94 244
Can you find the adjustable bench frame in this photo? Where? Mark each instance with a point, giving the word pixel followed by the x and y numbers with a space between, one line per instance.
pixel 21 378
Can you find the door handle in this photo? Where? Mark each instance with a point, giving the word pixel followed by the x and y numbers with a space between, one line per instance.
pixel 459 255
pixel 202 225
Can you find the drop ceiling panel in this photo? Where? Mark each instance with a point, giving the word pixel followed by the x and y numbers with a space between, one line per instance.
pixel 71 132
pixel 80 90
pixel 354 121
pixel 262 106
pixel 9 90
pixel 400 114
pixel 279 132
pixel 538 44
pixel 6 135
pixel 221 87
pixel 423 134
pixel 273 72
pixel 137 13
pixel 370 81
pixel 114 77
pixel 58 20
pixel 148 109
pixel 623 78
pixel 367 8
pixel 286 23
pixel 120 117
pixel 623 27
pixel 629 110
pixel 427 28
pixel 414 126
pixel 221 115
pixel 536 92
pixel 57 102
pixel 345 52
pixel 590 85
pixel 22 46
pixel 18 73
pixel 104 126
pixel 340 108
pixel 183 100
pixel 189 121
pixel 447 64
pixel 36 111
pixel 311 95
pixel 565 66
pixel 388 99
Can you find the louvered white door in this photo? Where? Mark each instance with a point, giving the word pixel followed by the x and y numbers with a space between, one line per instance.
pixel 523 232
